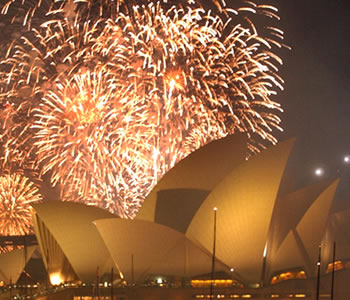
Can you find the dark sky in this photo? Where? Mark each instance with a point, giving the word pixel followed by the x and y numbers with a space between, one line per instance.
pixel 316 98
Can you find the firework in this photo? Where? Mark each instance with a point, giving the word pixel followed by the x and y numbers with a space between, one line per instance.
pixel 108 96
pixel 92 140
pixel 17 192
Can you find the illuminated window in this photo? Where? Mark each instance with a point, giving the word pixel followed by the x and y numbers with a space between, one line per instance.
pixel 221 283
pixel 325 295
pixel 288 275
pixel 338 265
pixel 301 275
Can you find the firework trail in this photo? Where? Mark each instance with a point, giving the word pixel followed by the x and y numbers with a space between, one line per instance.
pixel 109 95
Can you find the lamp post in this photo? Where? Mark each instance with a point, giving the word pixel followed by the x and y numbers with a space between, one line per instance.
pixel 112 280
pixel 318 273
pixel 333 263
pixel 213 257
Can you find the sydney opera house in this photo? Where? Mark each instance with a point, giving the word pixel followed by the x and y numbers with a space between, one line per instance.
pixel 216 226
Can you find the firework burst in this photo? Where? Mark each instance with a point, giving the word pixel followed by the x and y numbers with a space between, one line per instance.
pixel 89 136
pixel 108 95
pixel 17 192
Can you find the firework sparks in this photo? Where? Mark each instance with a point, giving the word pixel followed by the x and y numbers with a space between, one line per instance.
pixel 109 101
pixel 17 192
pixel 87 136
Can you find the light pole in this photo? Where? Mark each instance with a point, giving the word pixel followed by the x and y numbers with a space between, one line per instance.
pixel 333 266
pixel 213 257
pixel 112 280
pixel 318 273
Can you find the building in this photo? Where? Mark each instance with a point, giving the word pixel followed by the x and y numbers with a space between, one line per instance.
pixel 266 240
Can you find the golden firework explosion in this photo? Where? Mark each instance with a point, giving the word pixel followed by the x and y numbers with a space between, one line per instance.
pixel 109 95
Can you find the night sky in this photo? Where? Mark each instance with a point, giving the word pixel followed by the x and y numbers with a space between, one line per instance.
pixel 316 96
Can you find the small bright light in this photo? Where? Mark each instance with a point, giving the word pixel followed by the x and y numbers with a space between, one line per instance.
pixel 265 251
pixel 55 279
pixel 232 269
pixel 105 284
pixel 215 208
pixel 347 159
pixel 159 280
pixel 319 172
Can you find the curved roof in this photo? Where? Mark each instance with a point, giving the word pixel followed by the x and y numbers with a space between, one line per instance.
pixel 294 205
pixel 201 170
pixel 70 225
pixel 300 247
pixel 176 208
pixel 176 237
pixel 142 248
pixel 12 263
pixel 245 199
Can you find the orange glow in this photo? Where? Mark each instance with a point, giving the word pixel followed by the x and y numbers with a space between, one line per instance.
pixel 338 265
pixel 216 283
pixel 56 279
pixel 287 276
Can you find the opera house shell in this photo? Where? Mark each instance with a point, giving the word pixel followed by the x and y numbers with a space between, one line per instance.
pixel 12 264
pixel 261 231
